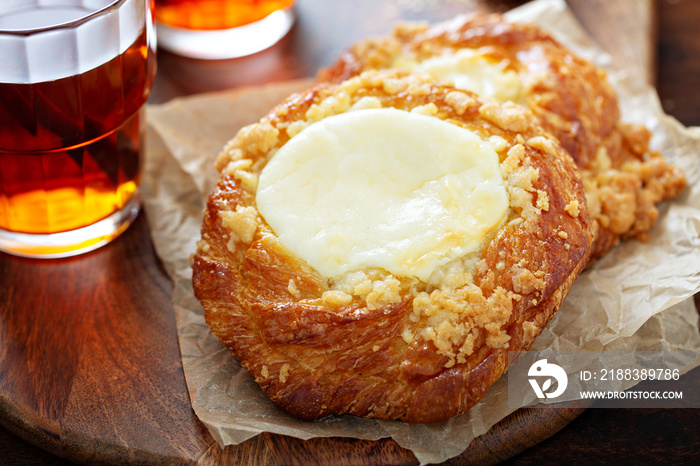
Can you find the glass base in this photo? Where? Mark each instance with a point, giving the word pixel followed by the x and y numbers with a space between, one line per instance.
pixel 226 43
pixel 74 242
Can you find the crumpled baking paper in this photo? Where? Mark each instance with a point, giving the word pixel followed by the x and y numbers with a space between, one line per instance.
pixel 639 297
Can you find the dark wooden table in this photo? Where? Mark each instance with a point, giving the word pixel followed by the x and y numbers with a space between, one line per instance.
pixel 88 344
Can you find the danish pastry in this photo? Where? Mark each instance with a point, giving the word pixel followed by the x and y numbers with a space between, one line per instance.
pixel 571 97
pixel 376 247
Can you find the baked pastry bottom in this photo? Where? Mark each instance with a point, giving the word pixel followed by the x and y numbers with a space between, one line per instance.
pixel 369 343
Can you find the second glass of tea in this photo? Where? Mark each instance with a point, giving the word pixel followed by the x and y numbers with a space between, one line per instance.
pixel 220 29
pixel 74 77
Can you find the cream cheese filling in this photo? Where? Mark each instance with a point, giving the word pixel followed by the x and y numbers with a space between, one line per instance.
pixel 382 188
pixel 472 71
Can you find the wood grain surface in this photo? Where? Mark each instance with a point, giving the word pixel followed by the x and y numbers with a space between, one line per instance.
pixel 90 368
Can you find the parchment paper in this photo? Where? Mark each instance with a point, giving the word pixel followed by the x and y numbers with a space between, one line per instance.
pixel 639 297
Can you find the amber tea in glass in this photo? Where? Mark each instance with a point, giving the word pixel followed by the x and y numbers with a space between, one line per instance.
pixel 218 29
pixel 74 77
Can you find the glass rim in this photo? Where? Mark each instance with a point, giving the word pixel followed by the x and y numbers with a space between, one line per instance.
pixel 113 5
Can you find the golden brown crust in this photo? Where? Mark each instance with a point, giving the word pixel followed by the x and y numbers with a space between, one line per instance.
pixel 572 99
pixel 378 345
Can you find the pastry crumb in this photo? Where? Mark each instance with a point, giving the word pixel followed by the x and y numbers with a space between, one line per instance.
pixel 572 208
pixel 367 102
pixel 249 181
pixel 459 101
pixel 336 298
pixel 542 200
pixel 542 143
pixel 242 223
pixel 292 288
pixel 508 116
pixel 427 110
pixel 284 372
